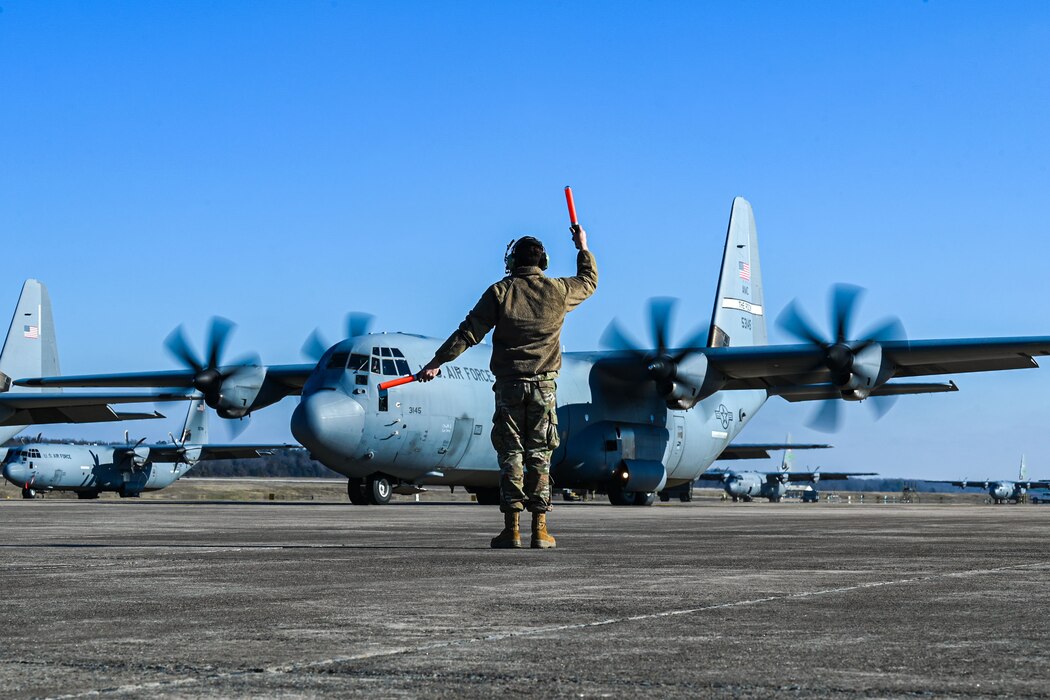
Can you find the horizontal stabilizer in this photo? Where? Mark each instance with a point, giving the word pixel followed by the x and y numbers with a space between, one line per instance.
pixel 761 451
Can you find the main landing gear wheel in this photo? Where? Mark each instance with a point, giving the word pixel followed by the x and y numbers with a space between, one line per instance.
pixel 355 489
pixel 619 497
pixel 28 493
pixel 378 490
pixel 83 495
pixel 487 497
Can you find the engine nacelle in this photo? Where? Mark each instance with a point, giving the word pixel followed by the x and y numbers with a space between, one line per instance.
pixel 238 392
pixel 866 373
pixel 692 380
pixel 640 475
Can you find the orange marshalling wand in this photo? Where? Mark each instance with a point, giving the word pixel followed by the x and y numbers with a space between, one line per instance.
pixel 407 379
pixel 572 207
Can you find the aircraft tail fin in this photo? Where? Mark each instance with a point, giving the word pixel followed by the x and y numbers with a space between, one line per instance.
pixel 789 457
pixel 30 349
pixel 195 430
pixel 739 317
pixel 1023 473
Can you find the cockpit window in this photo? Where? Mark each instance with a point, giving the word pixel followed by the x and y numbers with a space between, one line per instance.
pixel 338 360
pixel 392 367
pixel 358 363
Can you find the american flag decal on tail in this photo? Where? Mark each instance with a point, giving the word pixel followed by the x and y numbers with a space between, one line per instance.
pixel 31 331
pixel 745 271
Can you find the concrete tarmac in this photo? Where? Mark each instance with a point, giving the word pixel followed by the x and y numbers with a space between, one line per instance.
pixel 125 598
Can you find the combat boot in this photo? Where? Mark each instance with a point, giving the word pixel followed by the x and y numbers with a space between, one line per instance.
pixel 510 537
pixel 541 539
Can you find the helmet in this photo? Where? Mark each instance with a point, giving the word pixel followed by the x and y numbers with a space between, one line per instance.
pixel 513 248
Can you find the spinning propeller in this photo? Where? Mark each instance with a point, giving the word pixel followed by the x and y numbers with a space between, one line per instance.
pixel 209 373
pixel 357 323
pixel 856 366
pixel 136 458
pixel 680 375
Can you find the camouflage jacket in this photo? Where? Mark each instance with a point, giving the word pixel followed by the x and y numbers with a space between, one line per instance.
pixel 526 309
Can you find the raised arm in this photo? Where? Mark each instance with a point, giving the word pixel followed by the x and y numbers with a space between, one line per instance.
pixel 472 331
pixel 586 280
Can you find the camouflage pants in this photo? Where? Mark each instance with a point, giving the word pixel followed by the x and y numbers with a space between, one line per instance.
pixel 525 433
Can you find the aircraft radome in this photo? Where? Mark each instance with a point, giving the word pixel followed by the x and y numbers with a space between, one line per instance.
pixel 633 421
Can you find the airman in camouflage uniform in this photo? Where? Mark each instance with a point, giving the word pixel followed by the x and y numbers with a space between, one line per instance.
pixel 526 309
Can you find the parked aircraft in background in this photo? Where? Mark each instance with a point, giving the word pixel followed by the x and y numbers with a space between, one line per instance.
pixel 632 421
pixel 1006 491
pixel 736 452
pixel 30 349
pixel 127 469
pixel 748 485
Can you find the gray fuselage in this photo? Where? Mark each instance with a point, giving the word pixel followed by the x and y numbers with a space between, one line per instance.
pixel 87 469
pixel 438 433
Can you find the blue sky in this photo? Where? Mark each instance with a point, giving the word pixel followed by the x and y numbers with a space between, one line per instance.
pixel 283 163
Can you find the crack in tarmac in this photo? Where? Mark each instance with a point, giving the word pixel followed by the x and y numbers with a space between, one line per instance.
pixel 553 629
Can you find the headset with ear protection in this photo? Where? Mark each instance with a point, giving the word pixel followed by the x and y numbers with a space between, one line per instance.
pixel 512 249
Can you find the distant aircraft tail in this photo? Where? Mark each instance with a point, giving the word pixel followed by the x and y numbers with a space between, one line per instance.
pixel 1023 473
pixel 739 315
pixel 30 349
pixel 789 457
pixel 195 430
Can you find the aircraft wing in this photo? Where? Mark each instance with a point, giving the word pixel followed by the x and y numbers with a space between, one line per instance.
pixel 772 366
pixel 176 453
pixel 290 376
pixel 1036 484
pixel 825 476
pixel 761 451
pixel 821 392
pixel 45 408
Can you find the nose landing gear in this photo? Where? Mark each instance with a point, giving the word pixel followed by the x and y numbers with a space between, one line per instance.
pixel 375 490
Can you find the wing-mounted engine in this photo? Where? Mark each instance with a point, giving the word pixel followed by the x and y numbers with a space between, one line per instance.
pixel 685 383
pixel 232 390
pixel 131 458
pixel 858 369
pixel 682 377
pixel 855 368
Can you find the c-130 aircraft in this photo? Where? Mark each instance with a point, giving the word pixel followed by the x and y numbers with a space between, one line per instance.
pixel 632 421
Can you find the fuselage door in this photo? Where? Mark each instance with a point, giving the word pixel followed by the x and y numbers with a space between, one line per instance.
pixel 676 444
pixel 455 439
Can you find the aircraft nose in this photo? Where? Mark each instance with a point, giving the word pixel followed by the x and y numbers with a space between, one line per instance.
pixel 17 474
pixel 329 424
